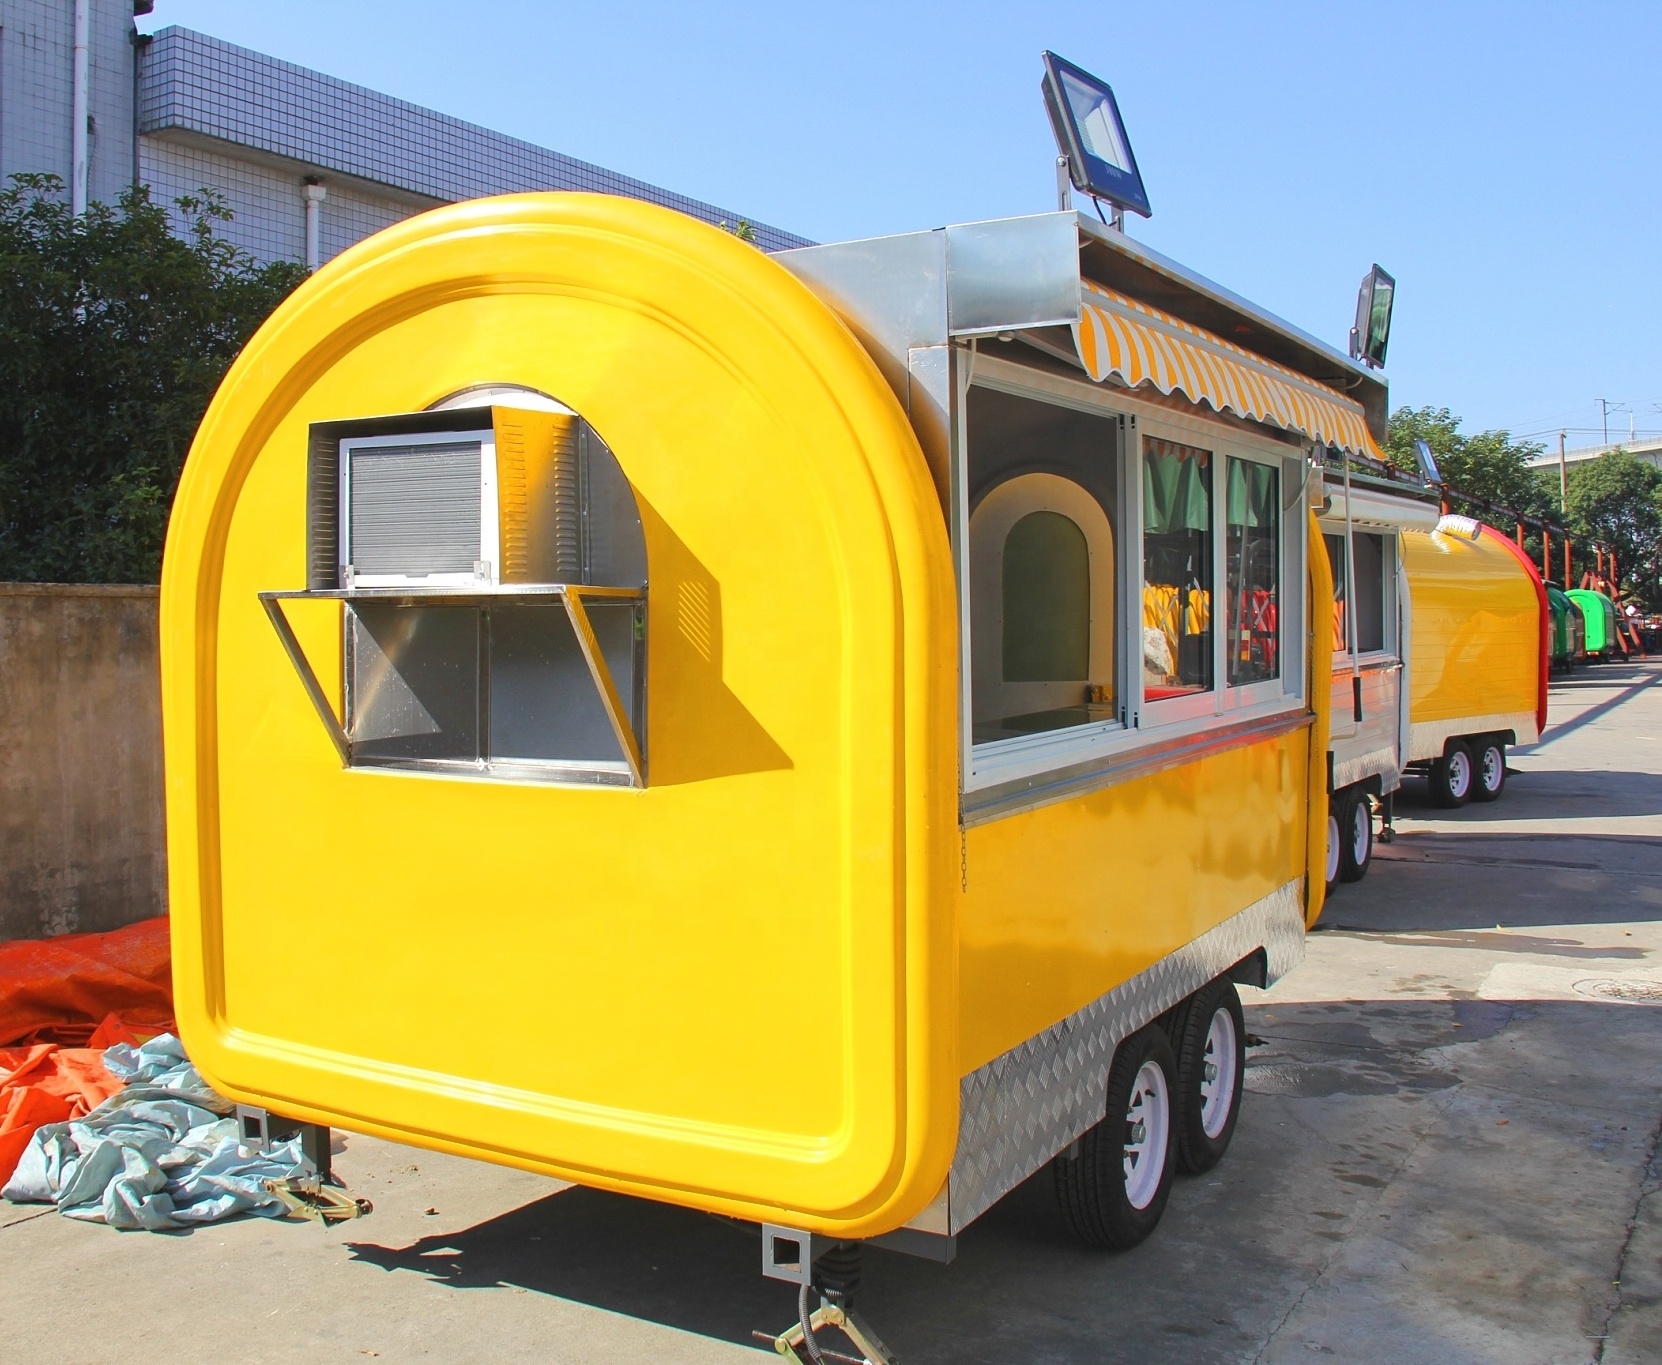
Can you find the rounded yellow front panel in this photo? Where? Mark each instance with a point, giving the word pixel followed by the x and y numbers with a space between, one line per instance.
pixel 1475 640
pixel 734 987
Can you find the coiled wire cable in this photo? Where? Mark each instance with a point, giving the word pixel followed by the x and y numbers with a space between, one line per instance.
pixel 802 1313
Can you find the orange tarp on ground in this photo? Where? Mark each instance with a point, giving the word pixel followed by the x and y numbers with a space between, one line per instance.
pixel 93 990
pixel 58 989
pixel 46 1083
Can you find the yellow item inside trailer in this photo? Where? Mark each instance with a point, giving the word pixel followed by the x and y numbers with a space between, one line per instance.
pixel 737 941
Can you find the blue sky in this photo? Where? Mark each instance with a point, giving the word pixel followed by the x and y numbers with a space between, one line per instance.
pixel 1501 160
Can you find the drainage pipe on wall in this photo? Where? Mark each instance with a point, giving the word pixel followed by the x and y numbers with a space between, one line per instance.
pixel 79 113
pixel 315 194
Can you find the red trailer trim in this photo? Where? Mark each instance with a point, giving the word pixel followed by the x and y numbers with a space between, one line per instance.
pixel 1545 650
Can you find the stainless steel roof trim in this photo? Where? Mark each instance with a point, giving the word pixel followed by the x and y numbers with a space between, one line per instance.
pixel 1010 274
pixel 1022 274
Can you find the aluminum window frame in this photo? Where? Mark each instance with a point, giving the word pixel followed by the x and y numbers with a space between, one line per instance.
pixel 1390 570
pixel 1288 561
pixel 1223 701
pixel 627 717
pixel 1002 760
pixel 1092 756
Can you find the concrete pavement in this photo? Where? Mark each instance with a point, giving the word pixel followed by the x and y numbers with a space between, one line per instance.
pixel 1447 1153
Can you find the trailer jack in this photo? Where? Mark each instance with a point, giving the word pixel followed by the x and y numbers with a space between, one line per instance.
pixel 832 1275
pixel 1387 831
pixel 800 1344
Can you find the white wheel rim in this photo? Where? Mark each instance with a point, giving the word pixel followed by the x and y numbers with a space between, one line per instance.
pixel 1217 1073
pixel 1459 773
pixel 1332 846
pixel 1147 1124
pixel 1493 766
pixel 1361 832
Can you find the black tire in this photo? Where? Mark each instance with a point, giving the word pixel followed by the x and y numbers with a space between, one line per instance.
pixel 1451 776
pixel 1356 836
pixel 1094 1187
pixel 1211 1032
pixel 1488 769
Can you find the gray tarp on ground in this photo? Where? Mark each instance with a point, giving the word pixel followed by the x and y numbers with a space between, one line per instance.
pixel 163 1153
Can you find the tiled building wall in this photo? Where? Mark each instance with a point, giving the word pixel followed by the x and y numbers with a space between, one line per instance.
pixel 197 85
pixel 350 214
pixel 37 61
pixel 252 127
pixel 268 220
pixel 269 214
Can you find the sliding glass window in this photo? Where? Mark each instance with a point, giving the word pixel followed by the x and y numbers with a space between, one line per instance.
pixel 1252 558
pixel 1177 569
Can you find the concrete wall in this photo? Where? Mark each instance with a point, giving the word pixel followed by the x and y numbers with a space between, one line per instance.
pixel 81 827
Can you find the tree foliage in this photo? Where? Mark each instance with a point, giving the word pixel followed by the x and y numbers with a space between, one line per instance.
pixel 744 230
pixel 114 334
pixel 1490 465
pixel 1617 499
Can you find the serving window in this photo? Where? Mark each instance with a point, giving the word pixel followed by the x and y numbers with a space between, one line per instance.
pixel 487 569
pixel 1132 574
pixel 1044 498
pixel 1360 592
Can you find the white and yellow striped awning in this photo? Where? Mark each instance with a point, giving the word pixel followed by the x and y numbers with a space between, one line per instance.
pixel 1117 336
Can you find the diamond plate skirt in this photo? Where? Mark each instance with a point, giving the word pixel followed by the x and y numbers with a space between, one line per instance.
pixel 1023 1107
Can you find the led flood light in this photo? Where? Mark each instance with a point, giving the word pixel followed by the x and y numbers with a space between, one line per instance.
pixel 1372 332
pixel 1091 134
pixel 1427 462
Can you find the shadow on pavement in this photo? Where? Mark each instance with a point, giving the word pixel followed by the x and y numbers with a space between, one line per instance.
pixel 1558 794
pixel 1338 1094
pixel 1429 882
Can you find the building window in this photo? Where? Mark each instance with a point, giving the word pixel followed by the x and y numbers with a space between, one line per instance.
pixel 1177 569
pixel 1252 553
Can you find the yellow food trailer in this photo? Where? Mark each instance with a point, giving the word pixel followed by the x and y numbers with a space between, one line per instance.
pixel 813 738
pixel 1367 510
pixel 1479 657
pixel 1439 652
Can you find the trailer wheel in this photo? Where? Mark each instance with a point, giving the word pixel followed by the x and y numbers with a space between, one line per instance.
pixel 1114 1190
pixel 1335 837
pixel 1356 847
pixel 1211 1061
pixel 1451 776
pixel 1489 770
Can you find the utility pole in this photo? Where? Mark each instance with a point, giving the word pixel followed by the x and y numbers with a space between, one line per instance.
pixel 1563 480
pixel 1604 407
